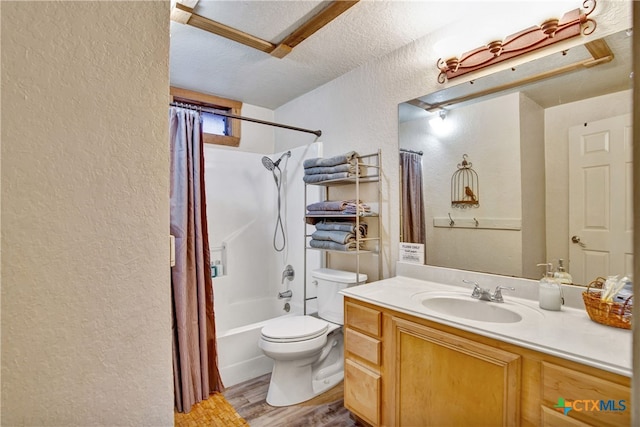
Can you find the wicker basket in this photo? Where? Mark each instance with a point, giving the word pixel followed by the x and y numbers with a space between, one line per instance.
pixel 613 314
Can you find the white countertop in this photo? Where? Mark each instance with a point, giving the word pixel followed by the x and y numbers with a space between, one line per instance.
pixel 569 333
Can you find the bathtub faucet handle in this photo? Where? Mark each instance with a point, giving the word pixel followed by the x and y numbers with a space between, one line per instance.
pixel 288 273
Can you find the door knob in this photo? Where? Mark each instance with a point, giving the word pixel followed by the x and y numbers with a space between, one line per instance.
pixel 576 240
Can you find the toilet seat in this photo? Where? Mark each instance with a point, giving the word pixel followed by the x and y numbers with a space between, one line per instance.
pixel 294 329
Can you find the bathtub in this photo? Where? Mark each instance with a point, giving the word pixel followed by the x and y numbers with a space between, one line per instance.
pixel 239 357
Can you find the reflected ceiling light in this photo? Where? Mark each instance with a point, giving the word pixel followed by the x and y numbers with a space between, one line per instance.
pixel 551 31
pixel 438 121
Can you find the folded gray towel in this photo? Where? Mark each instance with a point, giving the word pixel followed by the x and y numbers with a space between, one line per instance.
pixel 349 226
pixel 334 236
pixel 329 213
pixel 325 244
pixel 345 167
pixel 353 208
pixel 319 177
pixel 349 157
pixel 328 205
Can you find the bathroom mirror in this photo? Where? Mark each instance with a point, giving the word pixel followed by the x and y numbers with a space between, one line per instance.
pixel 516 128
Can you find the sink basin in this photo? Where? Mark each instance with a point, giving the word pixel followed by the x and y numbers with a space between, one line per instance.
pixel 470 309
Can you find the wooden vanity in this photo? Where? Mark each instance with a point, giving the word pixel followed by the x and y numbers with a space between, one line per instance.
pixel 404 370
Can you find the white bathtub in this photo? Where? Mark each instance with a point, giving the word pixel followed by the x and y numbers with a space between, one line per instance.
pixel 239 357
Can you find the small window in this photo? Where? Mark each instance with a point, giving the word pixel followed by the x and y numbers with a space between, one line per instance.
pixel 217 125
pixel 216 129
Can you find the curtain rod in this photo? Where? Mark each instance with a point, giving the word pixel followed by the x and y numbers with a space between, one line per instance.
pixel 317 133
pixel 405 150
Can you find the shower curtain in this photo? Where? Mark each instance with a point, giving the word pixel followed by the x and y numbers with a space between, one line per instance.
pixel 195 369
pixel 413 226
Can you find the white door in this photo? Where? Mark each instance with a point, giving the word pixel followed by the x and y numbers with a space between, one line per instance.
pixel 600 199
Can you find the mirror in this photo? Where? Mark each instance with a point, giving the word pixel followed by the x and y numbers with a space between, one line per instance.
pixel 525 136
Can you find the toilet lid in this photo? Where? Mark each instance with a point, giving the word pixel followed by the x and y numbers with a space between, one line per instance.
pixel 294 328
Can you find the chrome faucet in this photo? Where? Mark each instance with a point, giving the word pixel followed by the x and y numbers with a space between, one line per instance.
pixel 478 292
pixel 288 273
pixel 497 295
pixel 485 294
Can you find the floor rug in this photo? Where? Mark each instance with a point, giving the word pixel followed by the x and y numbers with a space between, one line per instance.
pixel 215 411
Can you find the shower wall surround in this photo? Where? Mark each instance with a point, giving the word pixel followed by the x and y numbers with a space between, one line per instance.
pixel 241 211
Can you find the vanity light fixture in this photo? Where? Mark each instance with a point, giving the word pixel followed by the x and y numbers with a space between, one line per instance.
pixel 551 31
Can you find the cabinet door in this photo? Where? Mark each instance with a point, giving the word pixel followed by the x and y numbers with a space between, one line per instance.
pixel 445 380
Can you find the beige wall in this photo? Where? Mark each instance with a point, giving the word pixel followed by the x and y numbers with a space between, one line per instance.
pixel 359 110
pixel 532 197
pixel 86 333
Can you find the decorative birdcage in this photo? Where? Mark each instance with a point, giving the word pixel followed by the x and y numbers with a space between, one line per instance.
pixel 465 188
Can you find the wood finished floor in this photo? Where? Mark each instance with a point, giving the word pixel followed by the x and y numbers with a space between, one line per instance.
pixel 249 400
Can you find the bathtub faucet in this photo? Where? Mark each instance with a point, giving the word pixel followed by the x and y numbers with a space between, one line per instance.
pixel 288 273
pixel 285 294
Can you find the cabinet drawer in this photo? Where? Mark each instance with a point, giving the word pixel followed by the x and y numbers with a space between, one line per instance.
pixel 363 318
pixel 553 418
pixel 362 392
pixel 593 400
pixel 362 346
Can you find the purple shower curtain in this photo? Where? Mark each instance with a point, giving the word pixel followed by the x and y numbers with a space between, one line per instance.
pixel 413 225
pixel 195 368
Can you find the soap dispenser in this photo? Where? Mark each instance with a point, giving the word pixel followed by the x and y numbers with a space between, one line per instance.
pixel 550 291
pixel 561 275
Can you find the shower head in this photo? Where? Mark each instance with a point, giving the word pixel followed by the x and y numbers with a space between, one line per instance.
pixel 270 164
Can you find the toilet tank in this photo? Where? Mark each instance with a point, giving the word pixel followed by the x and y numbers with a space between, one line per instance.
pixel 330 282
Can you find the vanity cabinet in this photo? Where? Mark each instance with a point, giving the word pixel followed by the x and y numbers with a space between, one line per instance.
pixel 402 370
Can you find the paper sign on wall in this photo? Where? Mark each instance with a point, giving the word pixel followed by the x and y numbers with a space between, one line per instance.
pixel 412 252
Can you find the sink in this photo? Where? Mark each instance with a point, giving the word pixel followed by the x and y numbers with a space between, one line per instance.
pixel 468 308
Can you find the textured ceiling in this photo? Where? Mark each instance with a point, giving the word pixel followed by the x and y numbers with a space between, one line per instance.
pixel 209 63
pixel 370 29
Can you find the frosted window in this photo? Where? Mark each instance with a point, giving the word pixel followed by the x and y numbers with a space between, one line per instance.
pixel 214 124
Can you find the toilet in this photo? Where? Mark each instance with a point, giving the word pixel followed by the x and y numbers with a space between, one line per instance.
pixel 308 351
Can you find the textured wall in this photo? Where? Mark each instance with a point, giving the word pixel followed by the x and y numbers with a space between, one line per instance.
pixel 358 111
pixel 255 138
pixel 85 207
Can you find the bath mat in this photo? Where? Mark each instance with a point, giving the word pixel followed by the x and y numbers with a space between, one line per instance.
pixel 215 411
